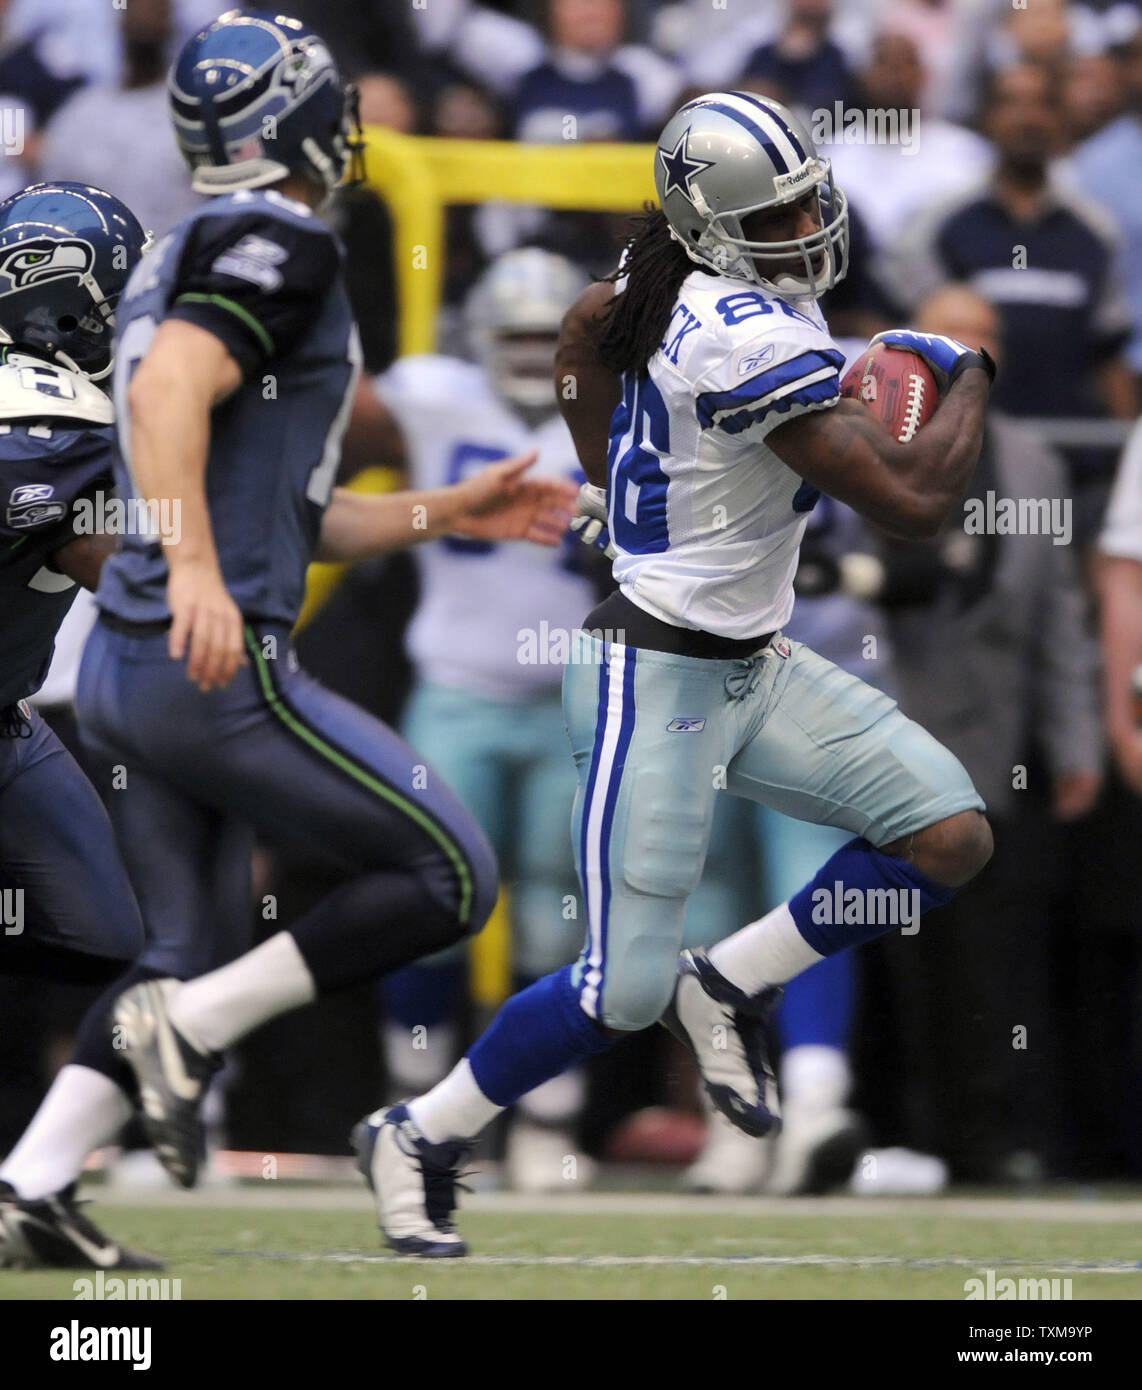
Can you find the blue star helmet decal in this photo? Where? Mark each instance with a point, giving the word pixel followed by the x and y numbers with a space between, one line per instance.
pixel 681 168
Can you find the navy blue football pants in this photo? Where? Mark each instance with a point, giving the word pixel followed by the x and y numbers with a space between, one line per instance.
pixel 301 766
pixel 68 912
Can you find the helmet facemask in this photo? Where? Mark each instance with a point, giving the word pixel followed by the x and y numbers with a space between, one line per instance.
pixel 724 247
pixel 520 363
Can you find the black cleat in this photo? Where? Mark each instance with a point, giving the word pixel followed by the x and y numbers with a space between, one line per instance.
pixel 172 1073
pixel 52 1233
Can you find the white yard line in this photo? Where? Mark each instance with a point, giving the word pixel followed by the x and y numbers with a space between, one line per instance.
pixel 272 1195
pixel 1056 1266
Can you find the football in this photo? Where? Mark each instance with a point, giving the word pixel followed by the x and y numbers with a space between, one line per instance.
pixel 896 385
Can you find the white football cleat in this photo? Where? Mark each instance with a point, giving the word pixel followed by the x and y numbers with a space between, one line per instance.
pixel 816 1151
pixel 413 1182
pixel 729 1034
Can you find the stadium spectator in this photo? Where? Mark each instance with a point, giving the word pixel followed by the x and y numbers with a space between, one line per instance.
pixel 1092 95
pixel 33 70
pixel 1099 166
pixel 804 62
pixel 1049 261
pixel 361 219
pixel 990 646
pixel 714 61
pixel 81 37
pixel 929 26
pixel 892 180
pixel 117 137
pixel 607 89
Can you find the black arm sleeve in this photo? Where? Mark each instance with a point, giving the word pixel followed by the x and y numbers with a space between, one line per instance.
pixel 255 281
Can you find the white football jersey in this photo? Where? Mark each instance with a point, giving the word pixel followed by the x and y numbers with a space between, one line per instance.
pixel 705 519
pixel 491 616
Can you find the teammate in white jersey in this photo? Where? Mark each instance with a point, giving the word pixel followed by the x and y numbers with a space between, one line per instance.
pixel 488 642
pixel 708 401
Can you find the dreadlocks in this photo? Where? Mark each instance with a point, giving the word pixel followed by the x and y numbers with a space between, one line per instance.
pixel 635 322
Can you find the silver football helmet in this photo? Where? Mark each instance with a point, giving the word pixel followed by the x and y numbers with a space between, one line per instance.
pixel 728 154
pixel 514 313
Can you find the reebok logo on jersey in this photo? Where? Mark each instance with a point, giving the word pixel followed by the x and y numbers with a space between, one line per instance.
pixel 31 492
pixel 756 362
pixel 254 258
pixel 685 726
pixel 31 505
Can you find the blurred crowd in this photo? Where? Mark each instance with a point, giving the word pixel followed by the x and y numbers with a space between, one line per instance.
pixel 992 154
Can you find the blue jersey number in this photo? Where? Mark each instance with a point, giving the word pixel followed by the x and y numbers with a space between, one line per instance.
pixel 465 459
pixel 637 483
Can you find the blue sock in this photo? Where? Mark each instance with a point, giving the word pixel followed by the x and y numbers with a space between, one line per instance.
pixel 535 1036
pixel 818 1004
pixel 424 994
pixel 860 894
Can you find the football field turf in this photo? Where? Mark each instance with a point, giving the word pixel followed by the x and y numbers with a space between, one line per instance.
pixel 307 1243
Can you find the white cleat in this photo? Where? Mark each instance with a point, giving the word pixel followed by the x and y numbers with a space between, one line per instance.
pixel 729 1034
pixel 816 1151
pixel 413 1183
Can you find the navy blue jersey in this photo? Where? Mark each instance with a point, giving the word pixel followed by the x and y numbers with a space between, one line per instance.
pixel 1061 309
pixel 56 450
pixel 263 275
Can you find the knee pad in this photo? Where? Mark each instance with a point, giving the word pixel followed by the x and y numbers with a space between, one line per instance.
pixel 638 983
pixel 664 846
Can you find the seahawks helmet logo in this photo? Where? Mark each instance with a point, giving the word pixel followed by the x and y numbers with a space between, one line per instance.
pixel 308 64
pixel 44 258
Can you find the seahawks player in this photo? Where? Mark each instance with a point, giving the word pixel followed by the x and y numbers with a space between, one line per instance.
pixel 66 251
pixel 237 358
pixel 709 404
pixel 485 709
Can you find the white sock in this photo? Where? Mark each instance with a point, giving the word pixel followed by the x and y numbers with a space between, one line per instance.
pixel 815 1077
pixel 216 1010
pixel 558 1101
pixel 414 1060
pixel 456 1108
pixel 81 1112
pixel 767 952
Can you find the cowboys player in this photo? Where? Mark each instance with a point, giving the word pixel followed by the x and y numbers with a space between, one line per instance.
pixel 237 359
pixel 485 708
pixel 727 425
pixel 66 251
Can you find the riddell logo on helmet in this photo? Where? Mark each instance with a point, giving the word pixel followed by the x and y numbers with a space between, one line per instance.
pixel 789 185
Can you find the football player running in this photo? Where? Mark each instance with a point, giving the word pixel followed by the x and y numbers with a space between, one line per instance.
pixel 66 251
pixel 708 403
pixel 488 642
pixel 236 364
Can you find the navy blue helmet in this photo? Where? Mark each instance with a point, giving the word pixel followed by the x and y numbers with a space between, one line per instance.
pixel 66 252
pixel 256 96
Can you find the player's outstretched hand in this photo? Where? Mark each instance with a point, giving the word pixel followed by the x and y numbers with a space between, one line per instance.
pixel 590 520
pixel 947 358
pixel 500 504
pixel 206 624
